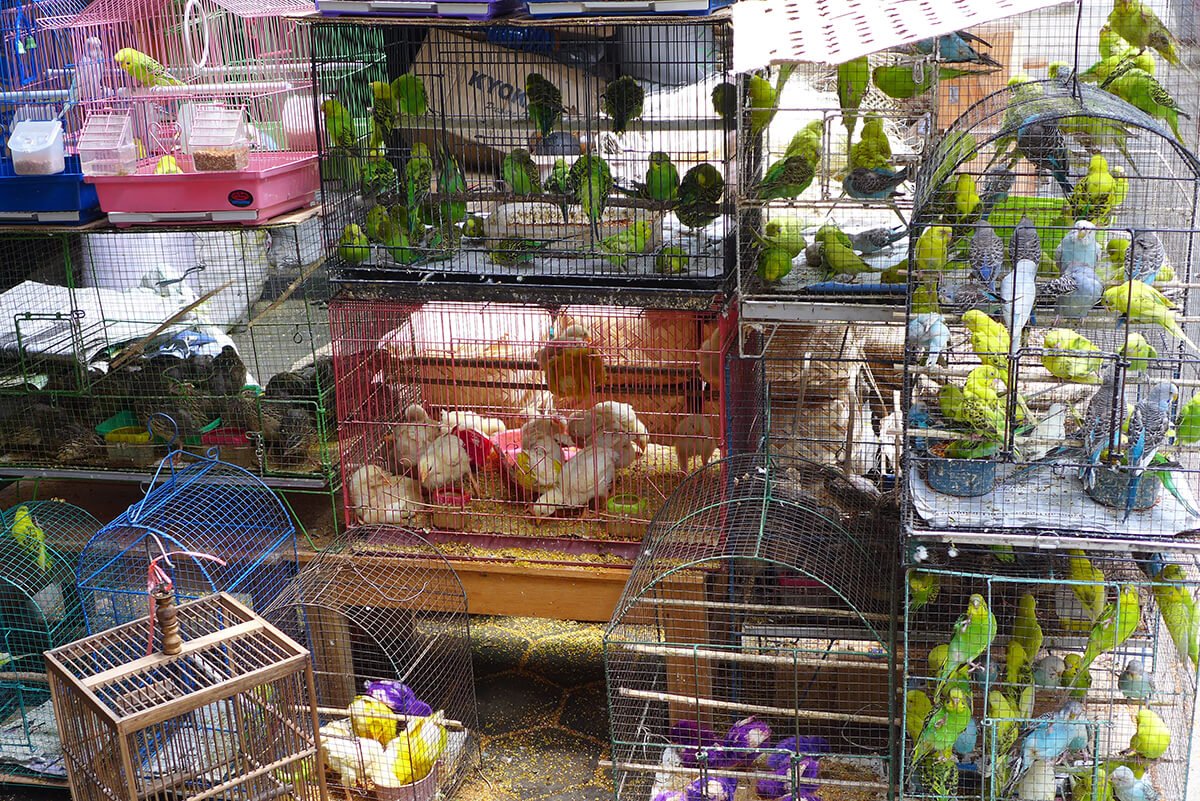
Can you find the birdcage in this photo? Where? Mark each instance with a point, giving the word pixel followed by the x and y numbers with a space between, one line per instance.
pixel 39 610
pixel 223 331
pixel 827 392
pixel 199 114
pixel 751 653
pixel 40 179
pixel 515 421
pixel 207 701
pixel 492 193
pixel 1028 341
pixel 233 534
pixel 385 619
pixel 1089 643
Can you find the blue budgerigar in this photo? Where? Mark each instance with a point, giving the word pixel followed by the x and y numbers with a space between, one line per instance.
pixel 880 183
pixel 1078 247
pixel 1134 683
pixel 957 48
pixel 1025 243
pixel 1148 426
pixel 1127 787
pixel 1101 425
pixel 1144 257
pixel 1077 290
pixel 1053 736
pixel 965 745
pixel 929 334
pixel 986 255
pixel 1043 143
pixel 873 240
pixel 997 183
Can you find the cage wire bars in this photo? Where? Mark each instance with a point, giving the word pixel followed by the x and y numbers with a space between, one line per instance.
pixel 465 113
pixel 750 647
pixel 392 629
pixel 1011 390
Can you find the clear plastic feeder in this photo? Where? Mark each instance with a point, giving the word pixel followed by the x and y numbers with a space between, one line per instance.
pixel 36 147
pixel 218 140
pixel 106 145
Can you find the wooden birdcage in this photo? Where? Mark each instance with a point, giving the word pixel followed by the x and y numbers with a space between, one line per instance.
pixel 223 707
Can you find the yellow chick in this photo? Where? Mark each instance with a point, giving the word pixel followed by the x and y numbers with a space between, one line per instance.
pixel 420 747
pixel 167 165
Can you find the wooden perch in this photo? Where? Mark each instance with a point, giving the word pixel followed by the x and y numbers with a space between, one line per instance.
pixel 739 656
pixel 757 709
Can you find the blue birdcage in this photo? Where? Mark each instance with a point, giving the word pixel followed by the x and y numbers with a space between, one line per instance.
pixel 199 508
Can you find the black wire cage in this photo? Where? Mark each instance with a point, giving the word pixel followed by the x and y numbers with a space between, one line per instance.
pixel 1050 351
pixel 752 651
pixel 384 617
pixel 573 158
pixel 1099 646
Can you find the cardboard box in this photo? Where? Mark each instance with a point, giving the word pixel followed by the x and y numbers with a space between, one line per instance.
pixel 477 92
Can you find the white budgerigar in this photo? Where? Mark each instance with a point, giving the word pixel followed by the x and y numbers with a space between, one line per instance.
pixel 1038 783
pixel 929 334
pixel 1127 787
pixel 1018 291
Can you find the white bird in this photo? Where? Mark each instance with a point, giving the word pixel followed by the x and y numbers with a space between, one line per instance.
pixel 445 463
pixel 929 334
pixel 379 498
pixel 694 436
pixel 461 418
pixel 609 417
pixel 1127 787
pixel 411 437
pixel 1048 434
pixel 588 475
pixel 1047 671
pixel 351 758
pixel 1018 291
pixel 1038 783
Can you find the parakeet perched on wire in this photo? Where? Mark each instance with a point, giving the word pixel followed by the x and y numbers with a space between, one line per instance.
pixel 1026 628
pixel 622 100
pixel 418 175
pixel 764 103
pixel 1144 256
pixel 1142 90
pixel 945 723
pixel 872 150
pixel 1127 787
pixel 973 634
pixel 929 334
pixel 451 181
pixel 1141 27
pixel 408 90
pixel 1099 430
pixel 30 536
pixel 986 255
pixel 1140 303
pixel 700 194
pixel 786 178
pixel 1177 605
pixel 806 142
pixel 880 183
pixel 1077 289
pixel 1138 351
pixel 662 178
pixel 932 248
pixel 144 69
pixel 1114 626
pixel 353 247
pixel 967 201
pixel 1148 427
pixel 339 125
pixel 956 48
pixel 521 173
pixel 1042 142
pixel 1063 356
pixel 385 112
pixel 1095 195
pixel 591 182
pixel 989 339
pixel 997 183
pixel 543 103
pixel 923 589
pixel 558 182
pixel 1025 244
pixel 853 81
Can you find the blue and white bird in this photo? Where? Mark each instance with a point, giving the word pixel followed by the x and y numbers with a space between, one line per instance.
pixel 1053 736
pixel 957 48
pixel 880 183
pixel 1077 289
pixel 1101 425
pixel 1145 256
pixel 1134 683
pixel 1047 671
pixel 1043 144
pixel 929 334
pixel 965 745
pixel 873 240
pixel 986 255
pixel 1148 426
pixel 1025 242
pixel 1018 292
pixel 1127 787
pixel 918 419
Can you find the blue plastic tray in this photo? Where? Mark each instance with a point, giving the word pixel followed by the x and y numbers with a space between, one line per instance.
pixel 49 199
pixel 624 8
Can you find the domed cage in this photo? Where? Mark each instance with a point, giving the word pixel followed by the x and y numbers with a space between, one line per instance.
pixel 394 629
pixel 753 644
pixel 40 610
pixel 199 510
pixel 1006 408
pixel 1038 669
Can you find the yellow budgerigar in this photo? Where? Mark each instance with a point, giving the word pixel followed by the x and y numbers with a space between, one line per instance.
pixel 989 338
pixel 144 69
pixel 1063 356
pixel 30 535
pixel 1142 304
pixel 372 719
pixel 167 165
pixel 420 747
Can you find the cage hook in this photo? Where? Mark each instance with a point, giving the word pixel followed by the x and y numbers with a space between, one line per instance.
pixel 297 335
pixel 174 426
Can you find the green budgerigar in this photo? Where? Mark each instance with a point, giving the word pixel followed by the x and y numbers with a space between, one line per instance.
pixel 1142 90
pixel 837 256
pixel 1026 628
pixel 662 178
pixel 409 92
pixel 385 112
pixel 1063 357
pixel 1018 669
pixel 543 103
pixel 872 150
pixel 774 262
pixel 144 69
pixel 520 173
pixel 724 100
pixel 973 634
pixel 622 101
pixel 923 589
pixel 763 103
pixel 945 723
pixel 590 180
pixel 1006 718
pixel 558 182
pixel 1089 584
pixel 418 176
pixel 353 246
pixel 1139 352
pixel 339 125
pixel 1114 626
pixel 966 198
pixel 786 178
pixel 1141 27
pixel 853 81
pixel 806 142
pixel 625 243
pixel 1187 426
pixel 700 193
pixel 1094 197
pixel 451 182
pixel 1178 608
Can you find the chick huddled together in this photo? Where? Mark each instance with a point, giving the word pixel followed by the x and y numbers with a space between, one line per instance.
pixel 388 739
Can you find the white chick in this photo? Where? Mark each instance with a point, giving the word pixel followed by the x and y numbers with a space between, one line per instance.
pixel 694 437
pixel 625 446
pixel 710 359
pixel 542 441
pixel 377 497
pixel 586 476
pixel 461 418
pixel 351 758
pixel 445 463
pixel 609 417
pixel 412 437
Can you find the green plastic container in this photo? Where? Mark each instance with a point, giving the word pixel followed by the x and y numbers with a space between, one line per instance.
pixel 127 443
pixel 1043 211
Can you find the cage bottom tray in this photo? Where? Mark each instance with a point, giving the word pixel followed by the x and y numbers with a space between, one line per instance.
pixel 567 8
pixel 61 198
pixel 273 183
pixel 1049 498
pixel 483 9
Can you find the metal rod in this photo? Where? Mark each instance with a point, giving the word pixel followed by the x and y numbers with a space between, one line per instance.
pixel 744 607
pixel 738 656
pixel 712 703
pixel 643 767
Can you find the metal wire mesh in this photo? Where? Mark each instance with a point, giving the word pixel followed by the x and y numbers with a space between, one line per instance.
pixel 201 506
pixel 477 114
pixel 576 423
pixel 1021 683
pixel 1011 456
pixel 391 628
pixel 760 601
pixel 224 331
pixel 230 716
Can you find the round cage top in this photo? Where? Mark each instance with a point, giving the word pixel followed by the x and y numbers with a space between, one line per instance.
pixel 203 507
pixel 67 528
pixel 768 524
pixel 1106 123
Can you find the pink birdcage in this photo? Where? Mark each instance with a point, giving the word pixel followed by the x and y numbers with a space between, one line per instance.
pixel 194 110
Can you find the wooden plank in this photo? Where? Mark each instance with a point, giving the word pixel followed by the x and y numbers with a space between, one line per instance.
pixel 688 676
pixel 333 662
